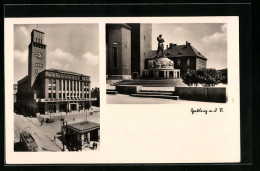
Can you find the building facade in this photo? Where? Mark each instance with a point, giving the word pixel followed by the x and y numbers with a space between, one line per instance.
pixel 118 42
pixel 47 91
pixel 127 47
pixel 141 43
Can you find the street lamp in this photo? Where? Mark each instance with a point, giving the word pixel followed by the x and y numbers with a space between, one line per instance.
pixel 87 115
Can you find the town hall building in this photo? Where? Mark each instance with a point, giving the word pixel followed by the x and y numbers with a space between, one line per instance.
pixel 47 91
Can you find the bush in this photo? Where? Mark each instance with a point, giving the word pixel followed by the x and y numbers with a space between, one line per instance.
pixel 191 78
pixel 206 77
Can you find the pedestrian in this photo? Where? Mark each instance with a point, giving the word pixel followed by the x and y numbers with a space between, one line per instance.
pixel 54 137
pixel 96 145
pixel 93 146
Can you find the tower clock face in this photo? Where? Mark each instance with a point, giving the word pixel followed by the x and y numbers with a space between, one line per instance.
pixel 38 55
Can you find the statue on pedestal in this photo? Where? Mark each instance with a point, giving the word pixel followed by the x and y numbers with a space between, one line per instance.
pixel 160 45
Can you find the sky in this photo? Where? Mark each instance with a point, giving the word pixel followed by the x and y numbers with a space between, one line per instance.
pixel 208 38
pixel 70 47
pixel 75 47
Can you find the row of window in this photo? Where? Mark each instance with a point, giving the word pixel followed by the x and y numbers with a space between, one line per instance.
pixel 77 86
pixel 66 76
pixel 38 40
pixel 53 95
pixel 179 62
pixel 38 45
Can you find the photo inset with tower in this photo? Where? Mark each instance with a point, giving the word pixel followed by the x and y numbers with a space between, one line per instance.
pixel 56 96
pixel 145 65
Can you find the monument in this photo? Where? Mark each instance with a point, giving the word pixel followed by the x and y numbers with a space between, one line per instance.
pixel 160 45
pixel 160 66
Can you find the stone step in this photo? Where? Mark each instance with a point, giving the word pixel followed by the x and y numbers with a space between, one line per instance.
pixel 156 93
pixel 152 83
pixel 148 84
pixel 156 96
pixel 111 92
pixel 110 89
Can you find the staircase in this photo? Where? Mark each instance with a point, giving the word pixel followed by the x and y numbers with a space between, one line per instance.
pixel 152 82
pixel 156 94
pixel 111 89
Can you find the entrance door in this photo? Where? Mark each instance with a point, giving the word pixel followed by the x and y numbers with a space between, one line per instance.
pixel 73 106
pixel 63 107
pixel 171 74
pixel 161 74
pixel 94 135
pixel 150 73
pixel 52 108
pixel 134 75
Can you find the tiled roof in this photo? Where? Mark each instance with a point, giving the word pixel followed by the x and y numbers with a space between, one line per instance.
pixel 178 51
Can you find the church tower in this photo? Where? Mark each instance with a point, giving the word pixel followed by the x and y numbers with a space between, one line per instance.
pixel 37 55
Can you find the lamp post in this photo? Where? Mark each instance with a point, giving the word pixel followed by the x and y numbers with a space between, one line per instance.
pixel 87 115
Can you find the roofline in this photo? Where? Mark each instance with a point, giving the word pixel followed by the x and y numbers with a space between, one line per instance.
pixel 67 72
pixel 38 31
pixel 82 131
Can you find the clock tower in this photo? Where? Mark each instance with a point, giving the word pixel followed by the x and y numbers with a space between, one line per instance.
pixel 37 55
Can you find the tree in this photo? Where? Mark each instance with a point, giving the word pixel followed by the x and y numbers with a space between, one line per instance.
pixel 191 78
pixel 206 77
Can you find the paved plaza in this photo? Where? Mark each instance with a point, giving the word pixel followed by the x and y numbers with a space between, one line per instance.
pixel 44 133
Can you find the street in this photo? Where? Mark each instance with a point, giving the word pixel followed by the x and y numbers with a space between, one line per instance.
pixel 44 134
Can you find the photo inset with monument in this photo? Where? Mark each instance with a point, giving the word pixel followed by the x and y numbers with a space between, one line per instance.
pixel 171 63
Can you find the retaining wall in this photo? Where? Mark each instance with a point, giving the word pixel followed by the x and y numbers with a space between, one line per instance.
pixel 208 94
pixel 128 89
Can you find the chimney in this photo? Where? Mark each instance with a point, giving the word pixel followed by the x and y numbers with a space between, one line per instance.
pixel 172 45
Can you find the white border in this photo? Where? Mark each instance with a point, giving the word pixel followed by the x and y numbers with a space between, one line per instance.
pixel 143 133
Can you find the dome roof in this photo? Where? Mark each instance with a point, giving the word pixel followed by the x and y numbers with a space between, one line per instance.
pixel 160 63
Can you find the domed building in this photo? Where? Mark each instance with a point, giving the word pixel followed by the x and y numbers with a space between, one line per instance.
pixel 160 67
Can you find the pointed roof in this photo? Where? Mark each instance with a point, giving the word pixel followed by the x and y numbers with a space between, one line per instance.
pixel 179 51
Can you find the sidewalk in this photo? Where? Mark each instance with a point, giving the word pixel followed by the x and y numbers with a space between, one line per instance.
pixel 56 141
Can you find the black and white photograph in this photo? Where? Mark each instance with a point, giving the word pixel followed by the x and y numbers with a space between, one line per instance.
pixel 107 90
pixel 56 87
pixel 166 63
